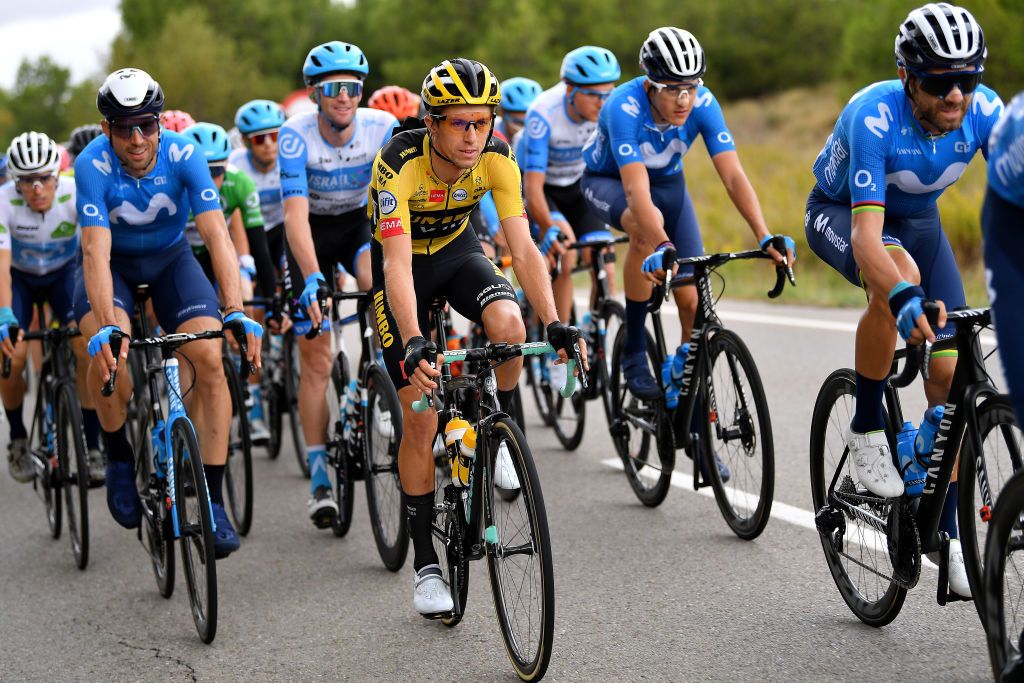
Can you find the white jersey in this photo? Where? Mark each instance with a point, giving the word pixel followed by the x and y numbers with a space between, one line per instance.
pixel 267 184
pixel 41 242
pixel 334 179
pixel 553 142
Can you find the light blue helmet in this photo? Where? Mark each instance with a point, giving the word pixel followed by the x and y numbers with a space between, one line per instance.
pixel 518 93
pixel 589 65
pixel 212 139
pixel 331 58
pixel 258 115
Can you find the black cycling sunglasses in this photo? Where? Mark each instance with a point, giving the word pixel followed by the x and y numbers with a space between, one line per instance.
pixel 124 128
pixel 940 85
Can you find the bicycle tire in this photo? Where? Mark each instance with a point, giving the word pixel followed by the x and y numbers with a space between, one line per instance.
pixel 275 418
pixel 650 486
pixel 344 489
pixel 380 449
pixel 40 443
pixel 238 472
pixel 1005 539
pixel 746 392
pixel 994 412
pixel 450 542
pixel 530 662
pixel 157 527
pixel 601 353
pixel 195 527
pixel 874 610
pixel 74 466
pixel 291 395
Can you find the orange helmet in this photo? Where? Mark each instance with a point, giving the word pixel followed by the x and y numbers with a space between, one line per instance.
pixel 395 100
pixel 176 120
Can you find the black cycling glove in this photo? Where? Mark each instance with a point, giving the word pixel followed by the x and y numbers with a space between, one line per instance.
pixel 417 349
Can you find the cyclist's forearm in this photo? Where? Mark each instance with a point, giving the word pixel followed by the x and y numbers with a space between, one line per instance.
pixel 300 236
pixel 266 274
pixel 743 197
pixel 533 276
pixel 223 257
pixel 6 296
pixel 398 284
pixel 238 233
pixel 99 284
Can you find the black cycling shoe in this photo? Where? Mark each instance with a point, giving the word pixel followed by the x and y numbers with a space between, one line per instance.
pixel 225 539
pixel 639 379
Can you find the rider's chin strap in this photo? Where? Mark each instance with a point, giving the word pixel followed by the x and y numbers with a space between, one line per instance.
pixel 332 124
pixel 573 89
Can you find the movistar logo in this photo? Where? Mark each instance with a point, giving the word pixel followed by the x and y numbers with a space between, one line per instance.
pixel 986 106
pixel 179 153
pixel 879 125
pixel 104 165
pixel 130 214
pixel 910 182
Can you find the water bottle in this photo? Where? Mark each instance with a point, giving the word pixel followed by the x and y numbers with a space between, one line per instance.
pixel 588 325
pixel 925 442
pixel 460 442
pixel 671 390
pixel 913 473
pixel 679 364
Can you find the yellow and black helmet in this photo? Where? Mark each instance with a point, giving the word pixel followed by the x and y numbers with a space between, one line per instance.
pixel 460 81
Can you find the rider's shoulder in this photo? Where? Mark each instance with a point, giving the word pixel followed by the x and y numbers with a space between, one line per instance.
pixel 375 117
pixel 403 148
pixel 300 123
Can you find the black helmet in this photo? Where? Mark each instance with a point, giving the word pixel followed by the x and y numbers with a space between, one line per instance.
pixel 940 36
pixel 82 136
pixel 129 92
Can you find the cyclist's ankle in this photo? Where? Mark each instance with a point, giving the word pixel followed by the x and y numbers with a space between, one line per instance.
pixel 118 448
pixel 214 482
pixel 420 511
pixel 316 456
pixel 867 416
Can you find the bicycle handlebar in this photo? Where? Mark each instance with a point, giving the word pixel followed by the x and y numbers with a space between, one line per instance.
pixel 918 356
pixel 709 261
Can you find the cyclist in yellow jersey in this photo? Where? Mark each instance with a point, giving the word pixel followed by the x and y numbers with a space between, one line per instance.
pixel 425 184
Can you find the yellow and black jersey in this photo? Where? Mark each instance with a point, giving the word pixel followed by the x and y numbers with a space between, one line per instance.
pixel 407 198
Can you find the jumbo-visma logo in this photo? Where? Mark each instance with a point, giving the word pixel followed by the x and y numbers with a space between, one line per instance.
pixel 130 214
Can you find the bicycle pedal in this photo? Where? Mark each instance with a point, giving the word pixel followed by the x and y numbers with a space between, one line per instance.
pixel 437 616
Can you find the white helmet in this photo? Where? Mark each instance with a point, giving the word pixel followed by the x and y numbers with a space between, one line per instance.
pixel 940 36
pixel 32 153
pixel 672 54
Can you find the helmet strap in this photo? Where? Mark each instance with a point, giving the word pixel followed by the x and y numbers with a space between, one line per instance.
pixel 571 96
pixel 654 107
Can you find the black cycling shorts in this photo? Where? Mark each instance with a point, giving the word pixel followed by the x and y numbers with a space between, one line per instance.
pixel 336 239
pixel 569 201
pixel 459 272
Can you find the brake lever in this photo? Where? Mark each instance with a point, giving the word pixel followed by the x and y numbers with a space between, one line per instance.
pixel 322 294
pixel 115 348
pixel 931 312
pixel 13 331
pixel 670 257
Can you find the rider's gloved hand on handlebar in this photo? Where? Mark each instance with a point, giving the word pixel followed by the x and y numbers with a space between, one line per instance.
pixel 906 302
pixel 563 338
pixel 242 325
pixel 99 345
pixel 7 321
pixel 315 288
pixel 770 244
pixel 421 364
pixel 653 267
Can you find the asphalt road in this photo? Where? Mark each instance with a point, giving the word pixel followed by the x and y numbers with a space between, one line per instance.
pixel 642 594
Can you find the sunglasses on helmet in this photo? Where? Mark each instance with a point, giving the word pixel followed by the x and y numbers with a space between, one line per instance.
pixel 125 128
pixel 334 88
pixel 940 85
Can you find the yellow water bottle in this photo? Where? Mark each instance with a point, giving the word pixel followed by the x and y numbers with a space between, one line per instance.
pixel 456 432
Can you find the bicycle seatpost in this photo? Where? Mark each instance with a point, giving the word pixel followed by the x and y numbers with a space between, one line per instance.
pixel 115 348
pixel 13 330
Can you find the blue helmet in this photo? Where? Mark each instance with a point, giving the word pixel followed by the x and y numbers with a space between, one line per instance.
pixel 518 93
pixel 331 58
pixel 258 115
pixel 213 141
pixel 589 65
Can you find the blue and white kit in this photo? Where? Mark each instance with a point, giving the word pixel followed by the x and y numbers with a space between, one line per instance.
pixel 552 142
pixel 267 184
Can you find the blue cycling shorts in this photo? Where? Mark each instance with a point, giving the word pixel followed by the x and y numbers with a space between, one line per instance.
pixel 607 200
pixel 178 287
pixel 1001 224
pixel 828 225
pixel 56 288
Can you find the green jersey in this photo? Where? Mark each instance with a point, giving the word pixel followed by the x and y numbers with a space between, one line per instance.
pixel 238 191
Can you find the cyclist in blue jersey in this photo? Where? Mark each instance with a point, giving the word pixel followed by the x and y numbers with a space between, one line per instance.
pixel 1001 221
pixel 517 94
pixel 634 180
pixel 873 217
pixel 326 161
pixel 39 240
pixel 136 186
pixel 558 124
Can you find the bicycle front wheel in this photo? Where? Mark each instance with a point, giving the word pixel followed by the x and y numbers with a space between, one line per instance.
pixel 519 559
pixel 611 318
pixel 238 473
pixel 737 432
pixel 982 476
pixel 1004 580
pixel 382 434
pixel 856 552
pixel 291 400
pixel 195 527
pixel 74 468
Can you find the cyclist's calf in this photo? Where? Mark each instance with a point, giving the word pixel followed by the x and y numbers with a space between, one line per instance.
pixel 415 459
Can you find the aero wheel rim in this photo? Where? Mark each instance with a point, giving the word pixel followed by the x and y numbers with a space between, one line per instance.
pixel 1002 445
pixel 868 547
pixel 519 565
pixel 382 442
pixel 69 480
pixel 191 528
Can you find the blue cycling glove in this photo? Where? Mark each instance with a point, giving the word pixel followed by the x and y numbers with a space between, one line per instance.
pixel 102 337
pixel 905 302
pixel 766 242
pixel 7 321
pixel 249 326
pixel 656 261
pixel 313 283
pixel 550 237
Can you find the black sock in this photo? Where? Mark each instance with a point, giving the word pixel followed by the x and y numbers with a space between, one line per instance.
pixel 91 423
pixel 420 510
pixel 636 335
pixel 868 416
pixel 17 425
pixel 118 448
pixel 214 482
pixel 505 401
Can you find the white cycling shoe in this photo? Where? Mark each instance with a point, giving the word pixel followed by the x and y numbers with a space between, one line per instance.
pixel 382 423
pixel 505 476
pixel 873 463
pixel 557 376
pixel 957 576
pixel 430 594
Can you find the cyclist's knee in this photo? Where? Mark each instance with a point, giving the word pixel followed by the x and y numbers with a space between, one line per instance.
pixel 503 322
pixel 905 262
pixel 686 300
pixel 315 357
pixel 205 357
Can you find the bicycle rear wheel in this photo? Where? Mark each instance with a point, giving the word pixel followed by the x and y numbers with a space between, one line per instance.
pixel 238 473
pixel 276 403
pixel 874 599
pixel 1004 581
pixel 738 430
pixel 987 472
pixel 338 446
pixel 74 468
pixel 611 318
pixel 641 431
pixel 157 528
pixel 195 526
pixel 382 434
pixel 291 400
pixel 449 530
pixel 519 559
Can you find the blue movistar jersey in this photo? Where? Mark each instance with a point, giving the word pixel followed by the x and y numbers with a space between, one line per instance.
pixel 553 142
pixel 626 133
pixel 1006 154
pixel 145 215
pixel 335 180
pixel 878 157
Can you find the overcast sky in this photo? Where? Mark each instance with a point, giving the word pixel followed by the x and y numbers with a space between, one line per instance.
pixel 75 34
